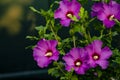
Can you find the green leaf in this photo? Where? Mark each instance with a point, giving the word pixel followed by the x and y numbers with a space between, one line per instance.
pixel 99 73
pixel 118 22
pixel 30 47
pixel 62 78
pixel 50 12
pixel 51 70
pixel 47 14
pixel 116 52
pixel 114 33
pixel 117 60
pixel 38 28
pixel 34 10
pixel 41 31
pixel 32 37
pixel 54 72
pixel 71 32
pixel 83 14
pixel 74 77
pixel 78 28
pixel 96 38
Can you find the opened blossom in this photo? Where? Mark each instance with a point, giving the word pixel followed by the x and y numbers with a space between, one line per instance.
pixel 66 10
pixel 107 12
pixel 45 52
pixel 77 59
pixel 98 55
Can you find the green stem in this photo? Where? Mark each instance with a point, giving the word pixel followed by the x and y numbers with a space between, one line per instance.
pixel 74 41
pixel 34 10
pixel 110 32
pixel 51 27
pixel 92 20
pixel 101 33
pixel 53 33
pixel 85 34
pixel 61 69
pixel 118 22
pixel 89 36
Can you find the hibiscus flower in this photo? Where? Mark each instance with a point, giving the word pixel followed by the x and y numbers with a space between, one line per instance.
pixel 98 55
pixel 77 59
pixel 107 12
pixel 66 10
pixel 45 52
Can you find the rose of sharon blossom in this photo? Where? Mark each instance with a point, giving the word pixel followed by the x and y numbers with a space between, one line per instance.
pixel 107 12
pixel 66 9
pixel 98 55
pixel 77 58
pixel 45 52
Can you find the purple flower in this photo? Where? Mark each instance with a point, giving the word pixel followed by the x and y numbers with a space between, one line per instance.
pixel 98 55
pixel 107 12
pixel 77 59
pixel 66 9
pixel 45 52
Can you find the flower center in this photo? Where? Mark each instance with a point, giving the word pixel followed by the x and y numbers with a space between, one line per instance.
pixel 111 17
pixel 96 57
pixel 78 63
pixel 48 54
pixel 69 14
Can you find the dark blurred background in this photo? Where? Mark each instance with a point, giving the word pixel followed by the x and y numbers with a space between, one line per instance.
pixel 16 22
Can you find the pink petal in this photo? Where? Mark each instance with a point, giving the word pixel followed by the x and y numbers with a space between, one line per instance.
pixel 93 14
pixel 81 71
pixel 59 13
pixel 63 5
pixel 97 7
pixel 103 63
pixel 38 52
pixel 52 44
pixel 75 52
pixel 68 68
pixel 43 62
pixel 55 56
pixel 106 53
pixel 108 23
pixel 75 7
pixel 101 16
pixel 107 9
pixel 92 63
pixel 65 22
pixel 90 49
pixel 42 44
pixel 97 44
pixel 117 16
pixel 68 59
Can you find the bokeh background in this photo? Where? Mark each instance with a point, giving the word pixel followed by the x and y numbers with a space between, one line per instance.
pixel 16 22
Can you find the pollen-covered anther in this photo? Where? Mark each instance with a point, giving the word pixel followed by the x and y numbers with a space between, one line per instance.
pixel 111 17
pixel 78 63
pixel 48 54
pixel 69 15
pixel 96 57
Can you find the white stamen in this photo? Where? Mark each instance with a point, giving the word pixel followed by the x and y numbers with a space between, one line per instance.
pixel 95 57
pixel 48 54
pixel 78 63
pixel 69 15
pixel 111 17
